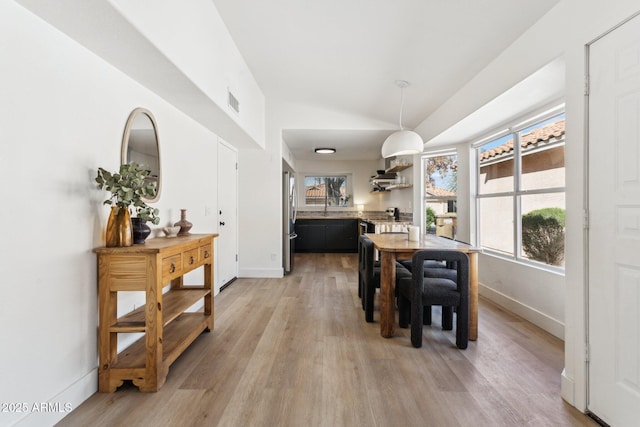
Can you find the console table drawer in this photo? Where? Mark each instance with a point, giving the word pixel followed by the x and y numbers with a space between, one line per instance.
pixel 190 258
pixel 127 273
pixel 205 252
pixel 172 265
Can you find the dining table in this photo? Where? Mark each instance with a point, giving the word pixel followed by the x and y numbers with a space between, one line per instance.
pixel 397 246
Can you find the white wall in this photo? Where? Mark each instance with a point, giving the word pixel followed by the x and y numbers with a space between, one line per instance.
pixel 179 50
pixel 535 294
pixel 260 206
pixel 287 156
pixel 211 60
pixel 62 114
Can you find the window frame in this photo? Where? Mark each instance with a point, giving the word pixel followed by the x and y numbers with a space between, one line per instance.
pixel 302 190
pixel 517 193
pixel 423 160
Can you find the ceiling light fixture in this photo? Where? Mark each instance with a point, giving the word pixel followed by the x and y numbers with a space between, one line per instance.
pixel 403 141
pixel 325 150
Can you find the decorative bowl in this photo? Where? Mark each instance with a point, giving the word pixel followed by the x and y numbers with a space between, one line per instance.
pixel 171 231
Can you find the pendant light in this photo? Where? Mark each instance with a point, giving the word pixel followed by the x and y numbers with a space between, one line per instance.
pixel 403 141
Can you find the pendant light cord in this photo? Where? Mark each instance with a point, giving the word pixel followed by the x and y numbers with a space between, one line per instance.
pixel 402 142
pixel 402 85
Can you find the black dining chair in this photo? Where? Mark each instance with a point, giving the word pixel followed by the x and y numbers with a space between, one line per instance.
pixel 362 268
pixel 360 265
pixel 370 276
pixel 418 292
pixel 436 270
pixel 441 270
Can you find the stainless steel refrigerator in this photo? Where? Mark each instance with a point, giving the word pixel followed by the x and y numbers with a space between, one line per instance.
pixel 289 220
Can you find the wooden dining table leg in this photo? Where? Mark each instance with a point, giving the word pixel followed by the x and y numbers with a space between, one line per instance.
pixel 387 294
pixel 473 296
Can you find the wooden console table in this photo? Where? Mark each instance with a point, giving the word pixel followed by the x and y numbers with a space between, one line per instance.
pixel 168 329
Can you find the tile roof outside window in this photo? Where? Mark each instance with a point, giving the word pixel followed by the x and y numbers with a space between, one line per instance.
pixel 544 135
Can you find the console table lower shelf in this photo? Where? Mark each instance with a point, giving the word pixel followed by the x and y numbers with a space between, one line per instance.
pixel 131 362
pixel 168 329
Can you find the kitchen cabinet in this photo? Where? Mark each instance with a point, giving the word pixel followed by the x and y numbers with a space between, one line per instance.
pixel 327 235
pixel 311 235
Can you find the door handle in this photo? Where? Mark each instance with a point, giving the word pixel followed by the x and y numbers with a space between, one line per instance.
pixel 221 222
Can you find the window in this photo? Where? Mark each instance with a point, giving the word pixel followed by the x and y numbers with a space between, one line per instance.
pixel 440 187
pixel 521 193
pixel 327 190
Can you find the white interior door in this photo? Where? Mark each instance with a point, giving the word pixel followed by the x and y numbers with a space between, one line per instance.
pixel 227 241
pixel 614 226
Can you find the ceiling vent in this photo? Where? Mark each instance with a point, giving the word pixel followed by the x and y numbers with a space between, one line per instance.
pixel 233 102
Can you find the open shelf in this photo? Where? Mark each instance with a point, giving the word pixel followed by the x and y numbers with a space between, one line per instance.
pixel 387 181
pixel 398 168
pixel 174 302
pixel 176 338
pixel 398 187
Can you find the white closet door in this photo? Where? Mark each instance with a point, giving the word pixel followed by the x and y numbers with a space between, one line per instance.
pixel 614 226
pixel 227 241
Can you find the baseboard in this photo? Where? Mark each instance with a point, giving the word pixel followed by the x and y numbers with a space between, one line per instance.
pixel 567 388
pixel 226 285
pixel 258 273
pixel 549 324
pixel 55 409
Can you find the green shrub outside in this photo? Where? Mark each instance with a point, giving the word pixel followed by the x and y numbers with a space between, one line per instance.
pixel 543 235
pixel 431 219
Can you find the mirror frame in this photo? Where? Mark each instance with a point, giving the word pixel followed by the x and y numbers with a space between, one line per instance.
pixel 125 145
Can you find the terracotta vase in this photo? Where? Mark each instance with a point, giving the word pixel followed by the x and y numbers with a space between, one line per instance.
pixel 140 230
pixel 184 225
pixel 119 229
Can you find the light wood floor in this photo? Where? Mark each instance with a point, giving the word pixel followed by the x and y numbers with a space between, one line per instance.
pixel 297 352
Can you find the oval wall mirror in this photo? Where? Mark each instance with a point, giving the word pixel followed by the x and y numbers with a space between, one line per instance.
pixel 140 144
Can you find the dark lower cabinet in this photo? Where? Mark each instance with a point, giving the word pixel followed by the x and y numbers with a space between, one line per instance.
pixel 327 235
pixel 310 236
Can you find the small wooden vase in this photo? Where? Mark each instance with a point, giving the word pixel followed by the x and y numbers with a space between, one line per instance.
pixel 119 229
pixel 184 225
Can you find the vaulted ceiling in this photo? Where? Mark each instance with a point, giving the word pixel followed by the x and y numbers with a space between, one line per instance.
pixel 340 57
pixel 345 55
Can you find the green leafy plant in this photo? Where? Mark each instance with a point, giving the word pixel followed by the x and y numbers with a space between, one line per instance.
pixel 431 218
pixel 128 186
pixel 543 235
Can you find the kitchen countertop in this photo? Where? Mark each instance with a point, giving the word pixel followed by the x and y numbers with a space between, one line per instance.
pixel 386 221
pixel 326 217
pixel 371 220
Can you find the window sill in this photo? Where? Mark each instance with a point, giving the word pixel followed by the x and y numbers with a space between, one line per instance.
pixel 560 271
